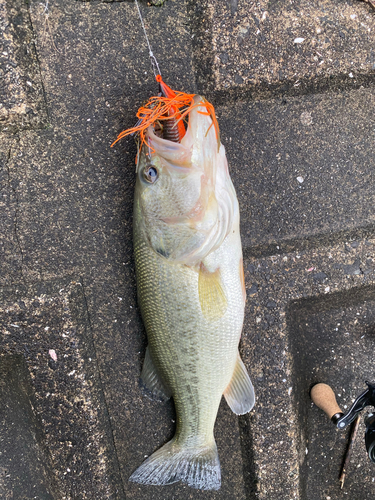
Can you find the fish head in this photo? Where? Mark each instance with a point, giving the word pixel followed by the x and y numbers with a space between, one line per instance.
pixel 184 196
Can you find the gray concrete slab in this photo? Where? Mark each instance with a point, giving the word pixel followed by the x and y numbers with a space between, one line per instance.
pixel 302 167
pixel 25 465
pixel 68 212
pixel 57 412
pixel 22 103
pixel 266 46
pixel 10 251
pixel 286 355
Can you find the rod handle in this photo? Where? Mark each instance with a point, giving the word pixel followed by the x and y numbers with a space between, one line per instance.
pixel 325 399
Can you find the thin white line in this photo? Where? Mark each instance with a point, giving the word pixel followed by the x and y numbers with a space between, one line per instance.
pixel 154 63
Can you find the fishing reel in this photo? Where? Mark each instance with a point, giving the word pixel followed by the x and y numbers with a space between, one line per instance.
pixel 323 396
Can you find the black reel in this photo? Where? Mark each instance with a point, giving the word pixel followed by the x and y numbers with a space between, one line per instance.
pixel 370 436
pixel 342 420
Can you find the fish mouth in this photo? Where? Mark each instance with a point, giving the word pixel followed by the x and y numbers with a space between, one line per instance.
pixel 170 129
pixel 172 107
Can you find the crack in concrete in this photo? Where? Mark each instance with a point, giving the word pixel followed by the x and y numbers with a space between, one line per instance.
pixel 38 61
pixel 16 211
pixel 102 385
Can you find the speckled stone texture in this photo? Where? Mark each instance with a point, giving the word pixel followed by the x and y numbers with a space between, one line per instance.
pixel 25 468
pixel 56 440
pixel 22 103
pixel 299 136
pixel 262 45
pixel 301 181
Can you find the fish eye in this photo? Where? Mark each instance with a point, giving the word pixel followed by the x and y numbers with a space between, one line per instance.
pixel 150 174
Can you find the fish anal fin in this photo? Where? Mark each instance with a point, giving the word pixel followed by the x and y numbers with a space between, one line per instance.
pixel 211 293
pixel 240 392
pixel 152 380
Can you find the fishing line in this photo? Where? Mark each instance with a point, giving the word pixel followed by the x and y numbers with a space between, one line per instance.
pixel 154 62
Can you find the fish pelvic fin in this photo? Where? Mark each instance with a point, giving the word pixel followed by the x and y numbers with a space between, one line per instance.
pixel 240 394
pixel 152 380
pixel 198 467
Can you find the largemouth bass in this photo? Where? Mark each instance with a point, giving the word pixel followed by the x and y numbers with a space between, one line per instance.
pixel 191 292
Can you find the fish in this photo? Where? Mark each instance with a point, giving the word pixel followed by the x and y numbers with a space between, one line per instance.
pixel 190 283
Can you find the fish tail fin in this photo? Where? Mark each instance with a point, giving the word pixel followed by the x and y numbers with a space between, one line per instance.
pixel 198 467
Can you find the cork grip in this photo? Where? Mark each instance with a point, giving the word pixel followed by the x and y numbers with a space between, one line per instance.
pixel 324 397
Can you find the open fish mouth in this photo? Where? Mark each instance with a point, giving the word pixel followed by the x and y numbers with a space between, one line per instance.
pixel 167 112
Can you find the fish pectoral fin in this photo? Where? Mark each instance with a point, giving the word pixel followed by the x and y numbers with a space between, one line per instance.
pixel 211 294
pixel 152 380
pixel 240 392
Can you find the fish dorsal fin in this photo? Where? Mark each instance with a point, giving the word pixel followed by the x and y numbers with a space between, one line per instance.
pixel 211 294
pixel 240 392
pixel 152 380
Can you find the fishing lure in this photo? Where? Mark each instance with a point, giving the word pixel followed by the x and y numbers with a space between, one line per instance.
pixel 169 107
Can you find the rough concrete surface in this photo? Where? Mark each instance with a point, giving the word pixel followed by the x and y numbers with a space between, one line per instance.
pixel 46 331
pixel 268 44
pixel 25 467
pixel 22 103
pixel 299 135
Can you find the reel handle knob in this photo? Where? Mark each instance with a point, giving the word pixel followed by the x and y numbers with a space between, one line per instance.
pixel 324 398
